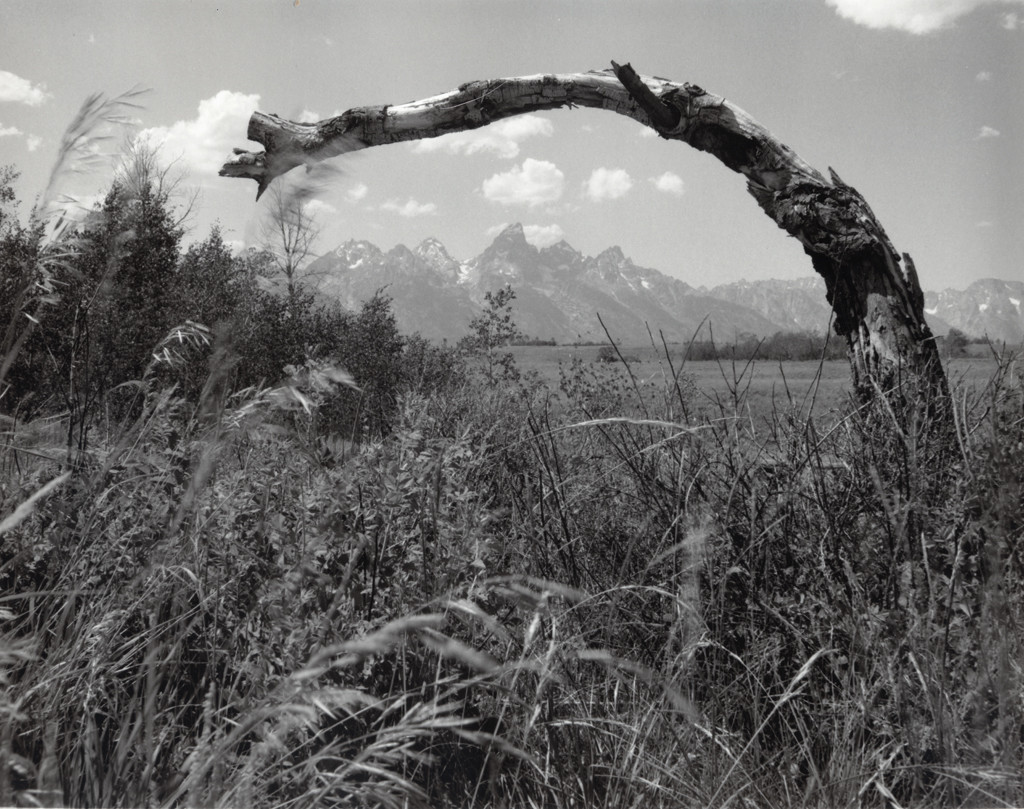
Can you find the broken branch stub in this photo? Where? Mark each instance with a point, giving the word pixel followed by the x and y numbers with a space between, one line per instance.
pixel 878 305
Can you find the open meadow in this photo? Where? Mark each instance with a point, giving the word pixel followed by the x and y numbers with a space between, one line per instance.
pixel 762 386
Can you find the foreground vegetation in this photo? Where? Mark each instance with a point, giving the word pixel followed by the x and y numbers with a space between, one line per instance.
pixel 302 559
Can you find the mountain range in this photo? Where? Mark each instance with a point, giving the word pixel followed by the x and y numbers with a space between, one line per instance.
pixel 560 292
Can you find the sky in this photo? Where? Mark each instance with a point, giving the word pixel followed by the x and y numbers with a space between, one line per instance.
pixel 916 103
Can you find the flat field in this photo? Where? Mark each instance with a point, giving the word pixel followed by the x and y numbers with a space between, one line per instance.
pixel 761 386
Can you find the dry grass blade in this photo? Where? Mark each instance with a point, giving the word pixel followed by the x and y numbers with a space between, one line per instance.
pixel 472 613
pixel 178 344
pixel 639 422
pixel 384 639
pixel 80 146
pixel 15 518
pixel 456 650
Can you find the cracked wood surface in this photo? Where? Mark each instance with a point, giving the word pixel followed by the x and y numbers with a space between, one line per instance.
pixel 878 305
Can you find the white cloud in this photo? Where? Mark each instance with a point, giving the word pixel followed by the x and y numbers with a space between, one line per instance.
pixel 501 138
pixel 607 184
pixel 356 192
pixel 1011 21
pixel 204 141
pixel 543 235
pixel 984 223
pixel 33 142
pixel 308 117
pixel 8 131
pixel 647 132
pixel 15 88
pixel 914 16
pixel 533 183
pixel 669 183
pixel 316 207
pixel 409 208
pixel 987 132
pixel 984 75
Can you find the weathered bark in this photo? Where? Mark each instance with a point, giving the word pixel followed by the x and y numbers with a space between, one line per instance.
pixel 878 307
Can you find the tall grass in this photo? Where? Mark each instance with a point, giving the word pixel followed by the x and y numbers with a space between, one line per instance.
pixel 520 604
pixel 522 596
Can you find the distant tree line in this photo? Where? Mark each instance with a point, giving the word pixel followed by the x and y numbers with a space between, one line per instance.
pixel 781 346
pixel 805 346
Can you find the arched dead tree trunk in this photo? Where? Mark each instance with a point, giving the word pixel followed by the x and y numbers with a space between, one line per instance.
pixel 879 306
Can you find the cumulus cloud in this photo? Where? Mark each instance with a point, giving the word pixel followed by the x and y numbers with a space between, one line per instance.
pixel 33 142
pixel 987 132
pixel 669 183
pixel 409 208
pixel 1011 21
pixel 356 192
pixel 533 183
pixel 308 117
pixel 316 207
pixel 501 138
pixel 543 235
pixel 984 75
pixel 15 88
pixel 607 184
pixel 204 141
pixel 914 16
pixel 8 131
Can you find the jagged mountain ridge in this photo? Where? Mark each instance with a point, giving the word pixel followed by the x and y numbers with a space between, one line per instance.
pixel 990 307
pixel 986 308
pixel 794 305
pixel 560 291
